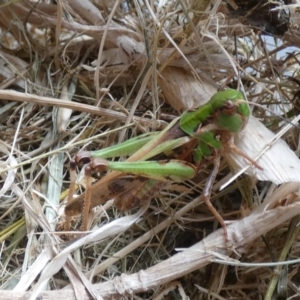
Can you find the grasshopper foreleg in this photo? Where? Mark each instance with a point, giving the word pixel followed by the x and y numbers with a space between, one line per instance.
pixel 235 149
pixel 207 192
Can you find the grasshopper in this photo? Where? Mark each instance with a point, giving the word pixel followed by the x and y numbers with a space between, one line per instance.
pixel 191 142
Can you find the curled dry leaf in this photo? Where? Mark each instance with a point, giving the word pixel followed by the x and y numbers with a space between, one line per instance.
pixel 64 114
pixel 279 163
pixel 182 90
pixel 9 179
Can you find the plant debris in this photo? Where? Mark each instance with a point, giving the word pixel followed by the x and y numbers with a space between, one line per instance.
pixel 85 75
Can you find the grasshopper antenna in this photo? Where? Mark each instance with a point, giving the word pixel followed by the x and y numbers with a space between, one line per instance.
pixel 272 112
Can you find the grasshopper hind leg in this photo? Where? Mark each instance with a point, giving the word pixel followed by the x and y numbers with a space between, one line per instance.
pixel 81 158
pixel 87 200
pixel 67 225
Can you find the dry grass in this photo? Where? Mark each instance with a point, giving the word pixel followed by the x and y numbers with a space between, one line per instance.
pixel 81 76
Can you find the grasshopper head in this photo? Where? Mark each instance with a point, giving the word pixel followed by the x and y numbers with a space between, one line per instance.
pixel 231 110
pixel 226 109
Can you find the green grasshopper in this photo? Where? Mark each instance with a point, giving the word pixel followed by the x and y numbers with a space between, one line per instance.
pixel 191 142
